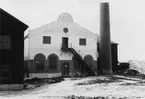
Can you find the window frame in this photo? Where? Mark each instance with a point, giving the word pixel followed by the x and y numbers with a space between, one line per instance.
pixel 5 69
pixel 65 30
pixel 39 57
pixel 45 41
pixel 81 41
pixel 51 62
pixel 51 58
pixel 5 42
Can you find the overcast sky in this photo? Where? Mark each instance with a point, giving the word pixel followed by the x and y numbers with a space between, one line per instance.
pixel 127 19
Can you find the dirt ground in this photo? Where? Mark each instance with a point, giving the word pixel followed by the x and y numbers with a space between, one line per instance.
pixel 98 87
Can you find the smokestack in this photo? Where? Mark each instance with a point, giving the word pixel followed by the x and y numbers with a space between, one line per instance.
pixel 105 60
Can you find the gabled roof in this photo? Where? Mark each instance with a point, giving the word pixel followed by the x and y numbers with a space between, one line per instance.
pixel 8 19
pixel 64 20
pixel 67 19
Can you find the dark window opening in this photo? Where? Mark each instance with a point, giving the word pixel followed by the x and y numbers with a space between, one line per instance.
pixel 39 62
pixel 82 41
pixel 65 30
pixel 5 72
pixel 53 62
pixel 89 60
pixel 46 40
pixel 64 42
pixel 5 42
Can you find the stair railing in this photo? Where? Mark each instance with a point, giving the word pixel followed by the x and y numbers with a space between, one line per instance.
pixel 81 54
pixel 76 49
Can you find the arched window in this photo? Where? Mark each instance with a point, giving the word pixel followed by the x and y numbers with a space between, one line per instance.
pixel 89 60
pixel 39 61
pixel 53 61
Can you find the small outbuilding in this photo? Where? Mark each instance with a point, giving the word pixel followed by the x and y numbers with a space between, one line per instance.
pixel 114 55
pixel 11 49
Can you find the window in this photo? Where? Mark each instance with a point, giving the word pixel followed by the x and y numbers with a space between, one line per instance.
pixel 5 72
pixel 64 42
pixel 53 59
pixel 46 40
pixel 5 42
pixel 89 60
pixel 82 41
pixel 65 30
pixel 39 61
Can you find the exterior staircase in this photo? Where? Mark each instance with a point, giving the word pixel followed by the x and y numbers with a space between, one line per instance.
pixel 84 66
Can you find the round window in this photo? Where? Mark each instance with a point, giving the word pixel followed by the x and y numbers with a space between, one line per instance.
pixel 65 30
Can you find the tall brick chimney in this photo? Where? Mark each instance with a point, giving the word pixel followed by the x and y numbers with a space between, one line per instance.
pixel 105 60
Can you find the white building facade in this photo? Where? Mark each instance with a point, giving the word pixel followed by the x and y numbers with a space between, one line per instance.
pixel 46 56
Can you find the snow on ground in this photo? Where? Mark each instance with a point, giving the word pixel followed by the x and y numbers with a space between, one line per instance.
pixel 137 65
pixel 104 86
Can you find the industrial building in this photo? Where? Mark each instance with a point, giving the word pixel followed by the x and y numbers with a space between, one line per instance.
pixel 63 48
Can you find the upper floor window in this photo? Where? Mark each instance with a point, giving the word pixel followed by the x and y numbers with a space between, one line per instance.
pixel 46 40
pixel 82 41
pixel 65 30
pixel 5 42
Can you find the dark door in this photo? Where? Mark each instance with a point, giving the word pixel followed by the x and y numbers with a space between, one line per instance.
pixel 64 42
pixel 65 68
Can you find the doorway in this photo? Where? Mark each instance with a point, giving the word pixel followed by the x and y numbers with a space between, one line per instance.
pixel 65 69
pixel 64 42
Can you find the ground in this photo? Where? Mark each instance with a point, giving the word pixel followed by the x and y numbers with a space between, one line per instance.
pixel 98 87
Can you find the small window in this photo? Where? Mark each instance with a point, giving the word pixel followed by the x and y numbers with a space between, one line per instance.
pixel 5 42
pixel 65 30
pixel 5 72
pixel 46 40
pixel 82 41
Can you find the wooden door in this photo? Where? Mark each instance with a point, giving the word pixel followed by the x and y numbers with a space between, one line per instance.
pixel 65 68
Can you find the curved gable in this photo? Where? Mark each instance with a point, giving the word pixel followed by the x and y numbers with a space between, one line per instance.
pixel 65 20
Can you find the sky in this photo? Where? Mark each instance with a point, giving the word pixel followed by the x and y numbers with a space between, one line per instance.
pixel 127 19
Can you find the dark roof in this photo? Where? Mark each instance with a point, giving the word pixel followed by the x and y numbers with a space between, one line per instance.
pixel 6 18
pixel 112 42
